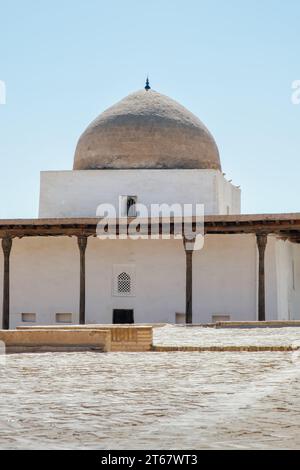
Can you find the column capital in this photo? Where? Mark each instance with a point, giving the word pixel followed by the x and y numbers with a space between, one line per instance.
pixel 82 242
pixel 6 245
pixel 261 239
pixel 188 244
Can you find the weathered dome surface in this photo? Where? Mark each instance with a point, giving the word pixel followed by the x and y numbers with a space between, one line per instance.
pixel 146 130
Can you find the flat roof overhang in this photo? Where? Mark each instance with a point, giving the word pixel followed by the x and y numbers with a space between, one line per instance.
pixel 286 226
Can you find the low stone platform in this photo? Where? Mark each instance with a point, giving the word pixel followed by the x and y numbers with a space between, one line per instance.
pixel 56 340
pixel 129 338
pixel 224 337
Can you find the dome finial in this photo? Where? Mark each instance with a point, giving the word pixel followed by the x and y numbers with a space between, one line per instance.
pixel 147 87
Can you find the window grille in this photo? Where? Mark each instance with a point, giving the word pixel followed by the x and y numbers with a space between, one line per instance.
pixel 123 280
pixel 124 283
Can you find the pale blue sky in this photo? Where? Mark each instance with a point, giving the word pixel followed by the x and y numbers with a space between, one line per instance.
pixel 230 62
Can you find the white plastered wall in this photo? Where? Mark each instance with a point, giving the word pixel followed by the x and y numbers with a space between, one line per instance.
pixel 159 273
pixel 225 278
pixel 295 290
pixel 228 195
pixel 271 280
pixel 288 280
pixel 78 193
pixel 283 254
pixel 282 280
pixel 44 278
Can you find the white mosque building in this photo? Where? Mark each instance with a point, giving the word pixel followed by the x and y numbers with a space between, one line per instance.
pixel 147 149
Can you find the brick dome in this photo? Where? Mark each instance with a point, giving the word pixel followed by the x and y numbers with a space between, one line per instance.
pixel 146 130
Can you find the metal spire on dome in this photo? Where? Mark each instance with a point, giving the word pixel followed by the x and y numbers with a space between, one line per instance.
pixel 147 86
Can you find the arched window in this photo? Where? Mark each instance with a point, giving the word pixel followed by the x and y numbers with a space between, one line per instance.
pixel 124 283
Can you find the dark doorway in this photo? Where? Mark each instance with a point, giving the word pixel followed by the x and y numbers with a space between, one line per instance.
pixel 123 316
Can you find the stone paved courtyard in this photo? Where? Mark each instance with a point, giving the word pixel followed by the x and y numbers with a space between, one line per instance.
pixel 155 400
pixel 170 335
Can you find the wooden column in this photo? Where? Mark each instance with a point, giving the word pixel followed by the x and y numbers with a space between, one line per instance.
pixel 261 239
pixel 189 248
pixel 82 243
pixel 6 247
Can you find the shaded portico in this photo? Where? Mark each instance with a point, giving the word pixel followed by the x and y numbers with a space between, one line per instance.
pixel 283 226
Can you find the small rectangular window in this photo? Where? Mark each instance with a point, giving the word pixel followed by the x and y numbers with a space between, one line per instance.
pixel 28 317
pixel 64 318
pixel 216 318
pixel 128 206
pixel 180 318
pixel 131 206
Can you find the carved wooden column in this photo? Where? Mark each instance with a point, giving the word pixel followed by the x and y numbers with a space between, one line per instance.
pixel 189 248
pixel 261 239
pixel 6 247
pixel 82 243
